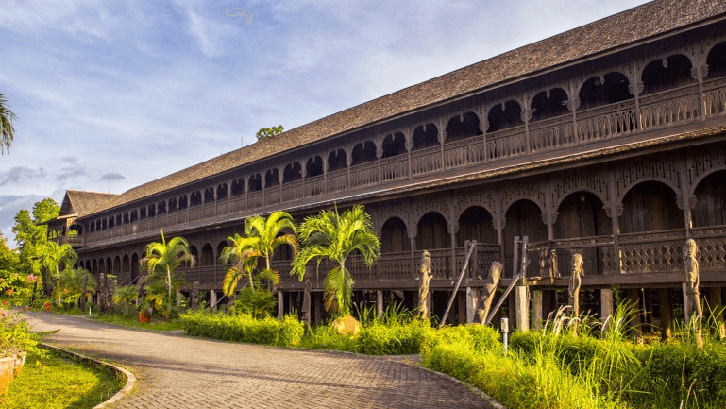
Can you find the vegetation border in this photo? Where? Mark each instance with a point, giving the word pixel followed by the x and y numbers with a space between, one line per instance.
pixel 130 378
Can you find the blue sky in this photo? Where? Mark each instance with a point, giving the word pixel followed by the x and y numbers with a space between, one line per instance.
pixel 110 95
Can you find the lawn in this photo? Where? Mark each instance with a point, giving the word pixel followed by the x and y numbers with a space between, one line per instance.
pixel 55 381
pixel 133 322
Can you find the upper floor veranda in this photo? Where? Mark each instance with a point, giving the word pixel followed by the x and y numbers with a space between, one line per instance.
pixel 664 87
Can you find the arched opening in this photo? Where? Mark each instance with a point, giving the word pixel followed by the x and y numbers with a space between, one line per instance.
pixel 710 207
pixel 523 218
pixel 716 61
pixel 134 216
pixel 126 218
pixel 238 187
pixel 595 92
pixel 173 205
pixel 98 224
pixel 196 199
pixel 104 224
pixel 255 183
pixel 476 224
pixel 394 236
pixel 272 178
pixel 183 203
pixel 363 153
pixel 425 136
pixel 76 228
pixel 111 222
pixel 161 208
pixel 503 116
pixel 135 267
pixel 650 206
pixel 116 267
pixel 337 160
pixel 195 255
pixel 675 73
pixel 432 232
pixel 88 265
pixel 102 266
pixel 462 127
pixel 220 247
pixel 314 167
pixel 292 172
pixel 209 195
pixel 549 104
pixel 393 145
pixel 581 214
pixel 119 219
pixel 221 191
pixel 125 267
pixel 152 210
pixel 142 213
pixel 207 256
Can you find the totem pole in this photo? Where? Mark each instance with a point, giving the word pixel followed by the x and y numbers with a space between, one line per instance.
pixel 692 293
pixel 423 290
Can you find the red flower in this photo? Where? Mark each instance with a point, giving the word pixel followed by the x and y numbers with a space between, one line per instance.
pixel 9 292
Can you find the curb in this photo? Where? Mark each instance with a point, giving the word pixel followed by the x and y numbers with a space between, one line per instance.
pixel 130 378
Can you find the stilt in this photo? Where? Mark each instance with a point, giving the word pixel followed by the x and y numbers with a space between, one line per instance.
pixel 666 317
pixel 606 308
pixel 379 303
pixel 472 300
pixel 521 306
pixel 536 309
pixel 280 304
pixel 213 300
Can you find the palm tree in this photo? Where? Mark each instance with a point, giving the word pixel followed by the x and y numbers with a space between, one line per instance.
pixel 69 284
pixel 262 236
pixel 162 260
pixel 7 132
pixel 332 236
pixel 50 256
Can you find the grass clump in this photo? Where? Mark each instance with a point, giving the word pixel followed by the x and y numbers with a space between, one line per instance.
pixel 54 381
pixel 173 324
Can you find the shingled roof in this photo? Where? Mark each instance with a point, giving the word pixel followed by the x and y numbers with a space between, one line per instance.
pixel 82 202
pixel 633 25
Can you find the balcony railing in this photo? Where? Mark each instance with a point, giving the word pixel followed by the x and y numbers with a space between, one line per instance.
pixel 613 122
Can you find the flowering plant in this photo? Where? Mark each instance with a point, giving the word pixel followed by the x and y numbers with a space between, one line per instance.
pixel 14 334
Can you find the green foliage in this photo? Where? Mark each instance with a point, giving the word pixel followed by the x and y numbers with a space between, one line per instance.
pixel 54 381
pixel 257 303
pixel 161 261
pixel 244 328
pixel 15 335
pixel 7 130
pixel 132 321
pixel 69 283
pixel 262 236
pixel 268 133
pixel 382 339
pixel 334 237
pixel 125 299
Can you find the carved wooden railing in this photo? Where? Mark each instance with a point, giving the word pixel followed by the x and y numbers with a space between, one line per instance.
pixel 711 247
pixel 661 110
pixel 597 256
pixel 651 252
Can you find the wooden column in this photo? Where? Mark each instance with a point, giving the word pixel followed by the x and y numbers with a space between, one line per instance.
pixel 379 302
pixel 607 309
pixel 666 316
pixel 537 309
pixel 280 304
pixel 521 306
pixel 615 210
pixel 213 300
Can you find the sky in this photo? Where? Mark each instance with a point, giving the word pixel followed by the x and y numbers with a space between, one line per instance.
pixel 110 95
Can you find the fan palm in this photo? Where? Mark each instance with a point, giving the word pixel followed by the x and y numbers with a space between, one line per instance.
pixel 333 236
pixel 162 260
pixel 262 236
pixel 70 284
pixel 51 256
pixel 7 132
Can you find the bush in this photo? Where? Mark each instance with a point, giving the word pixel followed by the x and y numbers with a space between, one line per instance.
pixel 380 339
pixel 244 328
pixel 479 338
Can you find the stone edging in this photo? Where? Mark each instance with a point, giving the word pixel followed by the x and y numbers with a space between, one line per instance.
pixel 130 378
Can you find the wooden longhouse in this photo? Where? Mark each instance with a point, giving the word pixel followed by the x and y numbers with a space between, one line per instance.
pixel 608 139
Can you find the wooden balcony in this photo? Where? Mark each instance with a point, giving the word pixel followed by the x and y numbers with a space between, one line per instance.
pixel 601 127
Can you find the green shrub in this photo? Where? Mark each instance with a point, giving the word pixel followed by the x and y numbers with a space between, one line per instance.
pixel 244 328
pixel 325 337
pixel 380 339
pixel 479 337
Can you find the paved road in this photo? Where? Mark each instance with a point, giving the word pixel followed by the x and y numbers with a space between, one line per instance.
pixel 176 371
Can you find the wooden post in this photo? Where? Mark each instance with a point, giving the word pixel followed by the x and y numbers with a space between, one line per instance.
pixel 213 300
pixel 379 302
pixel 280 304
pixel 606 308
pixel 472 300
pixel 522 308
pixel 536 309
pixel 666 318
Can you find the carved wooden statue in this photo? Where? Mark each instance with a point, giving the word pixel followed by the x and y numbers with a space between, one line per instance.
pixel 307 302
pixel 693 293
pixel 553 269
pixel 195 295
pixel 490 290
pixel 575 283
pixel 423 290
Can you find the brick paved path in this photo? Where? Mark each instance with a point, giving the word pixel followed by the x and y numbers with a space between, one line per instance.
pixel 175 371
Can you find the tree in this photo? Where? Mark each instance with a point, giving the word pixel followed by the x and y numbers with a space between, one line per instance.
pixel 7 131
pixel 332 236
pixel 161 261
pixel 268 133
pixel 31 235
pixel 262 236
pixel 51 255
pixel 69 285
